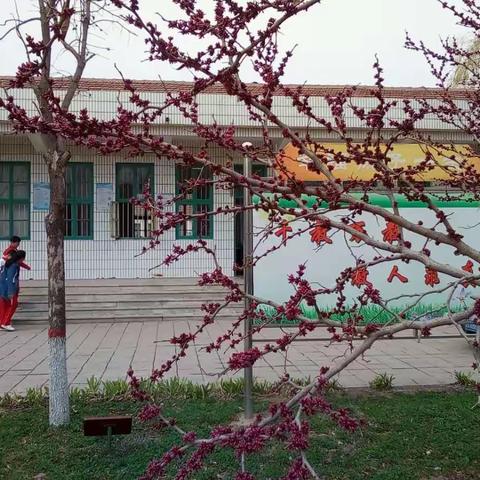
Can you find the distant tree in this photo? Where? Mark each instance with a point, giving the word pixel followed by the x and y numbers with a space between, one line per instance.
pixel 468 64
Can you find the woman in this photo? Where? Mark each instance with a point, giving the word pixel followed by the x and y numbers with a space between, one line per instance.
pixel 9 288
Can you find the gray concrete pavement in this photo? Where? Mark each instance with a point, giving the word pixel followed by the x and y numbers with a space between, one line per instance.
pixel 106 350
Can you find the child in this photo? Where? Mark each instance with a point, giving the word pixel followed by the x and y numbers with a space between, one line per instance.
pixel 9 289
pixel 13 247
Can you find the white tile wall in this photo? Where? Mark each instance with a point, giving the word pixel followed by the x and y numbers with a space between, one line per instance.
pixel 226 110
pixel 105 257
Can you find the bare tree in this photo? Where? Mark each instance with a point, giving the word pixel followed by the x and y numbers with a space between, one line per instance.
pixel 65 27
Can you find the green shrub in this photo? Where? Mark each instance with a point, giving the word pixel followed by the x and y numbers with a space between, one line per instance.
pixel 383 381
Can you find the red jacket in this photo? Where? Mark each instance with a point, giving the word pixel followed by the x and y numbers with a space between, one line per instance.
pixel 10 249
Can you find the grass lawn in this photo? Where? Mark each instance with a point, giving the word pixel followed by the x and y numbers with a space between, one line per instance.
pixel 418 436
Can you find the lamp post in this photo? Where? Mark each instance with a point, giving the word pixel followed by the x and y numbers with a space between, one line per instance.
pixel 248 280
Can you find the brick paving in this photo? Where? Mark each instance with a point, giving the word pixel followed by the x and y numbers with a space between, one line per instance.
pixel 106 350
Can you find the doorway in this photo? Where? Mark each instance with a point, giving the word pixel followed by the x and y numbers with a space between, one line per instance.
pixel 260 170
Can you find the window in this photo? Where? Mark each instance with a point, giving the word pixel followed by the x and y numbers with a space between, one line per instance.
pixel 14 199
pixel 79 212
pixel 197 201
pixel 132 221
pixel 257 169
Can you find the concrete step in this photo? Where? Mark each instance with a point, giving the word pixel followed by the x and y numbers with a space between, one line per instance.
pixel 110 300
pixel 72 321
pixel 137 305
pixel 119 282
pixel 200 296
pixel 126 315
pixel 125 290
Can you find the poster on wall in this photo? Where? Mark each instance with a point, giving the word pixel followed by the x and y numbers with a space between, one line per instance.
pixel 326 254
pixel 104 196
pixel 41 196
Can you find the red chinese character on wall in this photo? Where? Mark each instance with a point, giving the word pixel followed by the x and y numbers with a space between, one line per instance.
pixel 391 233
pixel 283 231
pixel 359 227
pixel 396 274
pixel 319 234
pixel 360 277
pixel 468 267
pixel 431 277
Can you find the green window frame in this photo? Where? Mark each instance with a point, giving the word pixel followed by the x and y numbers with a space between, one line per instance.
pixel 133 221
pixel 15 200
pixel 79 213
pixel 198 200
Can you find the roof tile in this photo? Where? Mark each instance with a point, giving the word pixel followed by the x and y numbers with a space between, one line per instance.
pixel 110 84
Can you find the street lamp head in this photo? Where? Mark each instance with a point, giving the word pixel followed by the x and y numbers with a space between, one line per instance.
pixel 247 145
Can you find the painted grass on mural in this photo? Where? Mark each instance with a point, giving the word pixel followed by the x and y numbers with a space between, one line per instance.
pixel 370 314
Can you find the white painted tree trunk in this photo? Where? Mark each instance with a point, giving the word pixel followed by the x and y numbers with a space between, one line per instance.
pixel 55 227
pixel 59 403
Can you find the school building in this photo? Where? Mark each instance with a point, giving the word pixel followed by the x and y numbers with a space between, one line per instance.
pixel 104 231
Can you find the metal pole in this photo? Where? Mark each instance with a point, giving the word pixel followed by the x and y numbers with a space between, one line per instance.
pixel 248 279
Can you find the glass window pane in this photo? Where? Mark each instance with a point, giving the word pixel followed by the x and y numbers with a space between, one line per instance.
pixel 4 190
pixel 203 192
pixel 4 229
pixel 70 183
pixel 15 193
pixel 4 216
pixel 4 221
pixel 79 211
pixel 20 219
pixel 83 182
pixel 87 185
pixel 203 224
pixel 4 181
pixel 143 178
pixel 21 191
pixel 126 220
pixel 83 220
pixel 21 228
pixel 125 182
pixel 20 212
pixel 68 221
pixel 20 173
pixel 186 228
pixel 198 200
pixel 21 182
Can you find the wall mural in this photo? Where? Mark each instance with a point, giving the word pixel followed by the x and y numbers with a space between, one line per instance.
pixel 324 250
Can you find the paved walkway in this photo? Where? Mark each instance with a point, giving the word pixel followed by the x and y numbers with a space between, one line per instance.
pixel 106 350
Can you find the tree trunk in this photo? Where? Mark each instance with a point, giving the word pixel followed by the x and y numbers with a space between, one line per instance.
pixel 55 227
